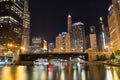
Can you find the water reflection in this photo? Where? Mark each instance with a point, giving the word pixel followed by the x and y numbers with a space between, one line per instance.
pixel 65 71
pixel 111 73
pixel 21 73
pixel 6 74
pixel 75 74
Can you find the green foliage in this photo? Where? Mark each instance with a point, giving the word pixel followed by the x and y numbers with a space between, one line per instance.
pixel 117 54
pixel 112 56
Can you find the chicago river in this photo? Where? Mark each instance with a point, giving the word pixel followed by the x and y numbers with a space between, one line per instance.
pixel 60 71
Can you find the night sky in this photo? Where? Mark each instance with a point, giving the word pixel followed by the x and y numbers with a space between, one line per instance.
pixel 49 17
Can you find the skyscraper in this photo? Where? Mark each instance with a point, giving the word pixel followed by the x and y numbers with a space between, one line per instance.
pixel 102 42
pixel 37 45
pixel 45 47
pixel 63 43
pixel 67 43
pixel 69 23
pixel 77 36
pixel 26 27
pixel 11 21
pixel 114 24
pixel 93 39
pixel 58 46
pixel 51 47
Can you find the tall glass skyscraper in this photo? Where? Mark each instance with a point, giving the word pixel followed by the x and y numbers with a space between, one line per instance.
pixel 77 36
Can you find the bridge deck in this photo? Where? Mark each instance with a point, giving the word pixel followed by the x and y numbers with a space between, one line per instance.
pixel 32 57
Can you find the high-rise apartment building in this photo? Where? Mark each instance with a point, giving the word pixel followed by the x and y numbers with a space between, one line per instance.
pixel 63 43
pixel 114 24
pixel 77 36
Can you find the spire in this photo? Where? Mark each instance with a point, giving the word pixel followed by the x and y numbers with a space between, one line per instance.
pixel 101 20
pixel 69 16
pixel 101 23
pixel 69 23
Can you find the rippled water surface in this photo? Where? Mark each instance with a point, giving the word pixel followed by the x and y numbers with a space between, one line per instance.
pixel 62 71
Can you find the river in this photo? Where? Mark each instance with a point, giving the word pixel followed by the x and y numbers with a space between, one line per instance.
pixel 61 71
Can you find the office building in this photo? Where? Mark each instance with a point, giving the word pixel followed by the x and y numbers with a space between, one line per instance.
pixel 11 21
pixel 77 37
pixel 63 43
pixel 37 45
pixel 93 39
pixel 50 47
pixel 45 47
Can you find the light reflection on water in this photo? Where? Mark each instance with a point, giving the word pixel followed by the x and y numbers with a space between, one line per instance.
pixel 111 74
pixel 72 71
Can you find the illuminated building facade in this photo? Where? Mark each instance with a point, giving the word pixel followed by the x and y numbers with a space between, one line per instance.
pixel 11 21
pixel 77 36
pixel 93 39
pixel 114 24
pixel 37 45
pixel 44 49
pixel 26 27
pixel 58 43
pixel 63 43
pixel 51 47
pixel 69 23
pixel 101 38
pixel 67 43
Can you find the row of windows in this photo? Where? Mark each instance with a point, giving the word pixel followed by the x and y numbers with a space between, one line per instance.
pixel 17 11
pixel 13 8
pixel 12 0
pixel 7 18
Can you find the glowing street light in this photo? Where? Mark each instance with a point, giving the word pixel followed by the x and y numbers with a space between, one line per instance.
pixel 22 48
pixel 10 45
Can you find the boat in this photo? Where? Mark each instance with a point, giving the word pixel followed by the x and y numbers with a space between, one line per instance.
pixel 41 62
pixel 6 61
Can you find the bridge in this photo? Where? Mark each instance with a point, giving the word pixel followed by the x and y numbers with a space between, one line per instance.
pixel 32 57
pixel 6 55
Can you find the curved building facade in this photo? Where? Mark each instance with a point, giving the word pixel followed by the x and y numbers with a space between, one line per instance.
pixel 77 36
pixel 114 24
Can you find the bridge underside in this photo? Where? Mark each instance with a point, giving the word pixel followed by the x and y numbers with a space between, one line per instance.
pixel 32 57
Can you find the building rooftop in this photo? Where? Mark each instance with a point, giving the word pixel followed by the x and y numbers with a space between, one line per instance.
pixel 77 23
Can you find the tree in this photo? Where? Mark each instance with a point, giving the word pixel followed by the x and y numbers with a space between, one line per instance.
pixel 112 56
pixel 117 54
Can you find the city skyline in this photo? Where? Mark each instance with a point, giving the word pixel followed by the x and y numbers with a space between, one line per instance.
pixel 48 19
